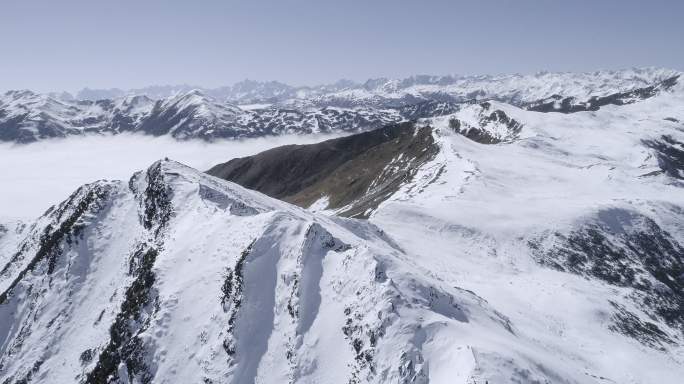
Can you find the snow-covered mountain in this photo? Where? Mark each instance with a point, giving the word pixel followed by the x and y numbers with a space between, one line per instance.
pixel 570 225
pixel 253 109
pixel 175 276
pixel 502 244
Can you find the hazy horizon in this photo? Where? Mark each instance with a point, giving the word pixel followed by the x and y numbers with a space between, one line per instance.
pixel 68 46
pixel 172 85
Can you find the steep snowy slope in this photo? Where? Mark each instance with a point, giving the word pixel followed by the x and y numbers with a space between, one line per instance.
pixel 176 276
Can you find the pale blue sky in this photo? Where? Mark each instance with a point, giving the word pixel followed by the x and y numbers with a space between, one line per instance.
pixel 68 44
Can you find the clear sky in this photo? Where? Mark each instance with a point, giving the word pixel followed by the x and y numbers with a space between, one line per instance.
pixel 52 45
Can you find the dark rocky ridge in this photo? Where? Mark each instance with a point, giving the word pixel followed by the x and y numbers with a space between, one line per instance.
pixel 355 173
pixel 670 154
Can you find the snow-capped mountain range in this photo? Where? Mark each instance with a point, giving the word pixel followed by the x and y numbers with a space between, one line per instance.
pixel 514 87
pixel 500 242
pixel 254 109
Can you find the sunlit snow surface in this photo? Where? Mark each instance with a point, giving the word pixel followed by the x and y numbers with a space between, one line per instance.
pixel 471 211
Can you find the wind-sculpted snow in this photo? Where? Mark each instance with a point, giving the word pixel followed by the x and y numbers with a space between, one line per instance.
pixel 570 225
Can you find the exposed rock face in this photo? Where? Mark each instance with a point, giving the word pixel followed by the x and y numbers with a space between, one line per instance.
pixel 485 125
pixel 626 249
pixel 670 154
pixel 352 174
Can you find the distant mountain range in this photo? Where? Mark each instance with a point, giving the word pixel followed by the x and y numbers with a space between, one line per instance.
pixel 254 109
pixel 513 87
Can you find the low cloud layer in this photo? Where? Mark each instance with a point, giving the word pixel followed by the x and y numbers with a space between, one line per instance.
pixel 35 176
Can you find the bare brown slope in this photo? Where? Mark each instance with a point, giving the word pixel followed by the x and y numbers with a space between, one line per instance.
pixel 355 173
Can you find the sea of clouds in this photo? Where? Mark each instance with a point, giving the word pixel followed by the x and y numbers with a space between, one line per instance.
pixel 35 176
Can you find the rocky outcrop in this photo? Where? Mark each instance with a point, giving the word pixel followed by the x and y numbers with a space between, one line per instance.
pixel 484 124
pixel 670 154
pixel 626 249
pixel 352 174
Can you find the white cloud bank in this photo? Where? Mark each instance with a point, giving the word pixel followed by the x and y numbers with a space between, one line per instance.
pixel 35 176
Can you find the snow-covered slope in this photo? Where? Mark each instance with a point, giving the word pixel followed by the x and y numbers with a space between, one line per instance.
pixel 176 276
pixel 570 225
pixel 574 229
